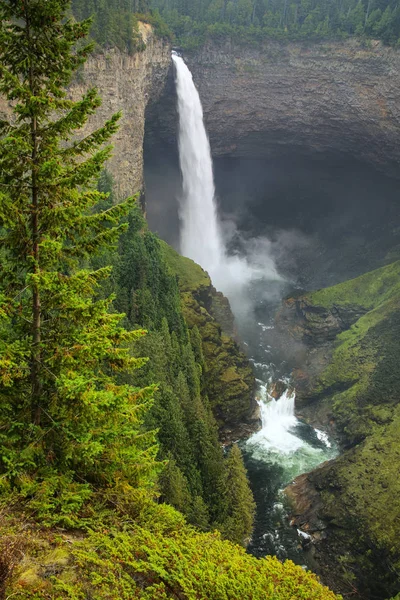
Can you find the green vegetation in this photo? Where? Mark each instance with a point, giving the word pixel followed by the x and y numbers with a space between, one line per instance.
pixel 81 468
pixel 227 376
pixel 367 291
pixel 147 274
pixel 157 556
pixel 65 421
pixel 190 24
pixel 115 23
pixel 362 369
pixel 361 492
pixel 190 275
pixel 252 21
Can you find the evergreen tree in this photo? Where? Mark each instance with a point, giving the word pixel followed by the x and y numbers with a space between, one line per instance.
pixel 60 407
pixel 251 21
pixel 238 523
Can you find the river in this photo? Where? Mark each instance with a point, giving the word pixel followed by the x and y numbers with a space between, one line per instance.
pixel 284 447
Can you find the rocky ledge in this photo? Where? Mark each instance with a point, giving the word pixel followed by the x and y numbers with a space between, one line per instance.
pixel 229 378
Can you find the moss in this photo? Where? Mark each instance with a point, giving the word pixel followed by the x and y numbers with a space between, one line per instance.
pixel 368 290
pixel 228 374
pixel 363 366
pixel 361 501
pixel 361 489
pixel 190 275
pixel 162 557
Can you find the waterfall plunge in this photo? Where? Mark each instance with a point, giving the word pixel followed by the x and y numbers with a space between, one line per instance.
pixel 201 236
pixel 277 418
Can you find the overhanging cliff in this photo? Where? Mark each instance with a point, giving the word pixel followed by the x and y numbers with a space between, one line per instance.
pixel 330 96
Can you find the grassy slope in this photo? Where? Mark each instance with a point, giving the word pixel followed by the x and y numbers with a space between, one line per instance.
pixel 363 384
pixel 369 290
pixel 190 275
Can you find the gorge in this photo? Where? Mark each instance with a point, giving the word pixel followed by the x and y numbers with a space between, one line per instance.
pixel 328 218
pixel 128 486
pixel 278 446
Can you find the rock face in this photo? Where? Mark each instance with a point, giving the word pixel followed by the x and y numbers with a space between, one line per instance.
pixel 230 383
pixel 228 375
pixel 315 325
pixel 328 96
pixel 124 83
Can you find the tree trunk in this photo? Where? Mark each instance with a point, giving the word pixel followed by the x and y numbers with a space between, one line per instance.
pixel 36 305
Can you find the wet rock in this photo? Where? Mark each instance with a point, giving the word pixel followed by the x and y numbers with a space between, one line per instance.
pixel 277 388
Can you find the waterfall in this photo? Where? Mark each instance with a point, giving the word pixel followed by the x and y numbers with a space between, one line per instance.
pixel 201 238
pixel 201 235
pixel 277 418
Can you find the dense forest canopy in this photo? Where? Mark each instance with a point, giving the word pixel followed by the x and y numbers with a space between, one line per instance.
pixel 295 19
pixel 80 463
pixel 115 21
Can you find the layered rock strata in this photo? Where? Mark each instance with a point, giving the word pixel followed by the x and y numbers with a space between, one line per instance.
pixel 125 83
pixel 340 97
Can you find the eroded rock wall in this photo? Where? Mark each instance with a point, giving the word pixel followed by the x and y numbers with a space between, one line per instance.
pixel 327 96
pixel 336 96
pixel 125 83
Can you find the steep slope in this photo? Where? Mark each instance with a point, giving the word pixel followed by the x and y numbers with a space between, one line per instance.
pixel 204 382
pixel 157 557
pixel 352 505
pixel 229 380
pixel 127 82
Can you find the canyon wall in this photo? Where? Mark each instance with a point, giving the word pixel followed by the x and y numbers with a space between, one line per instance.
pixel 125 83
pixel 328 96
pixel 349 381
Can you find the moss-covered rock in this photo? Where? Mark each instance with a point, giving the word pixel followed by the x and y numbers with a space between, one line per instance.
pixel 229 377
pixel 357 496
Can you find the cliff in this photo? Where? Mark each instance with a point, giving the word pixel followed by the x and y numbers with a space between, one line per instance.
pixel 328 96
pixel 229 379
pixel 125 82
pixel 350 505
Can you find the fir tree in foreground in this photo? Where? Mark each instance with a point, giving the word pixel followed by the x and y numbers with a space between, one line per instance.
pixel 64 422
pixel 238 524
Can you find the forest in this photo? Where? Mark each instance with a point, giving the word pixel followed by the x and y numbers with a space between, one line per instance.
pixel 282 19
pixel 250 21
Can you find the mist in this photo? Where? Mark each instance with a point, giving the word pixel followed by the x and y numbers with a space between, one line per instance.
pixel 317 219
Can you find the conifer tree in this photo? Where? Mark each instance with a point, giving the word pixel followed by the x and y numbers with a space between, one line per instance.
pixel 60 408
pixel 238 523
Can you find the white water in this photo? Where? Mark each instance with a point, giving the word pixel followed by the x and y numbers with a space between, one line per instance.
pixel 277 417
pixel 202 240
pixel 279 440
pixel 201 233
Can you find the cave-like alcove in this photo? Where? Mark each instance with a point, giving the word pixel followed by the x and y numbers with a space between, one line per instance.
pixel 328 215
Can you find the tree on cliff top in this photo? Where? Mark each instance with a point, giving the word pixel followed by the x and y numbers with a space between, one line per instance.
pixel 62 416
